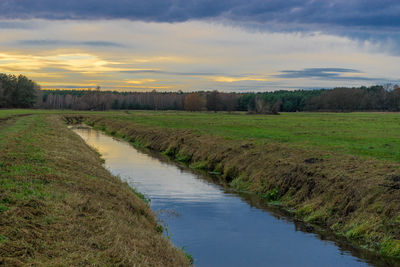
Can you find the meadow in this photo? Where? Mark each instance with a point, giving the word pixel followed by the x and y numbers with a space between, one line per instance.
pixel 366 134
pixel 361 134
pixel 338 170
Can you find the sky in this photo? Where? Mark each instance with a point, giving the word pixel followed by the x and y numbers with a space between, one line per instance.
pixel 188 45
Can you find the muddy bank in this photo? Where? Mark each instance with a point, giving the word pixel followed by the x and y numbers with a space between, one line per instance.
pixel 60 207
pixel 356 198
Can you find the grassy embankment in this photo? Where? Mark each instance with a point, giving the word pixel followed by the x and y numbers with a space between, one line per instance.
pixel 337 170
pixel 60 207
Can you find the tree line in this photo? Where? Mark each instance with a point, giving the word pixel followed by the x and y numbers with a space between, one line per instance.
pixel 20 92
pixel 378 98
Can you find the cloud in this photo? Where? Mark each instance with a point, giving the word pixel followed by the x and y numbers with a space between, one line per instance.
pixel 150 71
pixel 228 79
pixel 74 62
pixel 357 13
pixel 326 74
pixel 67 43
pixel 365 20
pixel 188 56
pixel 141 81
pixel 13 25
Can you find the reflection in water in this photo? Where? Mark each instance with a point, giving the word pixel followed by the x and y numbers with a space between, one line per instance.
pixel 217 228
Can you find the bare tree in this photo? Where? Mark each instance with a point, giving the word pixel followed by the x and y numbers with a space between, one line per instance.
pixel 195 102
pixel 213 101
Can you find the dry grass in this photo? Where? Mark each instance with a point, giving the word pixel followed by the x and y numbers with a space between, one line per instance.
pixel 357 198
pixel 60 207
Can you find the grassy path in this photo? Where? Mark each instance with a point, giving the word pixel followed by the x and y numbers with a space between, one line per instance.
pixel 59 206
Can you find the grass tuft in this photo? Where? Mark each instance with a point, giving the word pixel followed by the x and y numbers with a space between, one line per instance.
pixel 391 248
pixel 272 195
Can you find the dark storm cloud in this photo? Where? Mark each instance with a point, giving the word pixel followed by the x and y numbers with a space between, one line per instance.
pixel 67 43
pixel 321 13
pixel 324 74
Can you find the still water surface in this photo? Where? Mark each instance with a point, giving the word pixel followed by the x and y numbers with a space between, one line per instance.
pixel 217 227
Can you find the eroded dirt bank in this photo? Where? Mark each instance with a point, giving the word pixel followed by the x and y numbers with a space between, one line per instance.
pixel 356 198
pixel 60 207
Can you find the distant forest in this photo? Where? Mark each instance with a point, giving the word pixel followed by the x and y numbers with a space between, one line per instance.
pixel 21 92
pixel 374 98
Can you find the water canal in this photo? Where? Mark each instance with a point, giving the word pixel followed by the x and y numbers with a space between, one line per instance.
pixel 217 227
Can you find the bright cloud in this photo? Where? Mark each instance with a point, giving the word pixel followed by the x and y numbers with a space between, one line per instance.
pixel 142 81
pixel 191 55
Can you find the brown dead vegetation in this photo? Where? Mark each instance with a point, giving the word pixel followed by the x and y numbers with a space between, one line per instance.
pixel 78 214
pixel 356 198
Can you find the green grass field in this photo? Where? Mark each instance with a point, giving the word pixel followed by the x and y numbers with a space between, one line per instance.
pixel 369 134
pixel 375 135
